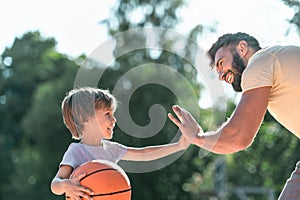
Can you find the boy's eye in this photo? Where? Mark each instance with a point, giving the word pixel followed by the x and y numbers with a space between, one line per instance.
pixel 109 114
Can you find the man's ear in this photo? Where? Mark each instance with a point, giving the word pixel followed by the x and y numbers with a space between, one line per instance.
pixel 242 48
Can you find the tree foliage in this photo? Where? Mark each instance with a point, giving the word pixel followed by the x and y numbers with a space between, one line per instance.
pixel 171 182
pixel 267 163
pixel 295 4
pixel 35 78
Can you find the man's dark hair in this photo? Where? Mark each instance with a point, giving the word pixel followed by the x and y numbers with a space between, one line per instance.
pixel 231 39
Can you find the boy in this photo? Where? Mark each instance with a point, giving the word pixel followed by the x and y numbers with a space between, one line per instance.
pixel 89 115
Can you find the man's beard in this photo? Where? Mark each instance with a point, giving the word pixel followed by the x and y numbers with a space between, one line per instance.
pixel 238 66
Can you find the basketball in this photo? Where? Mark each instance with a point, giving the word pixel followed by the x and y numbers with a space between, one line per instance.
pixel 107 180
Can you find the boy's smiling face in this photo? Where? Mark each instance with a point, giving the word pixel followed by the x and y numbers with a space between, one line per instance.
pixel 106 121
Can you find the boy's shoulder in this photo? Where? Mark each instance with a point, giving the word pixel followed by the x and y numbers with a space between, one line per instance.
pixel 107 143
pixel 73 146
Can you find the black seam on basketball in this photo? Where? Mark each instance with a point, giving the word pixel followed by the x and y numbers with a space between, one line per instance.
pixel 111 193
pixel 107 194
pixel 100 170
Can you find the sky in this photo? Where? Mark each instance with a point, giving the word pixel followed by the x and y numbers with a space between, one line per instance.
pixel 75 23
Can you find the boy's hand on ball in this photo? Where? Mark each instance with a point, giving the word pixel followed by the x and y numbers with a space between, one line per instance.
pixel 75 191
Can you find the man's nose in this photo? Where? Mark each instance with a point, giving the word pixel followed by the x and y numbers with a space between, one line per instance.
pixel 221 75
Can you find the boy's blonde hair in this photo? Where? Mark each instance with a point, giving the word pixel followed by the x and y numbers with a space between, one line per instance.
pixel 80 104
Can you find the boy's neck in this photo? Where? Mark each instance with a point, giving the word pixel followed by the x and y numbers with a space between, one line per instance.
pixel 89 142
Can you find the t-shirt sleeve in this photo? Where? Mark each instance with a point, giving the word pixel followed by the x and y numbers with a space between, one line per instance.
pixel 117 150
pixel 259 72
pixel 69 157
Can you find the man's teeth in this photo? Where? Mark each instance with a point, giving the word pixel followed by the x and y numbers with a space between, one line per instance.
pixel 230 78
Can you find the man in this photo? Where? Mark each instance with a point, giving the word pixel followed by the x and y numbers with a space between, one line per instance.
pixel 268 78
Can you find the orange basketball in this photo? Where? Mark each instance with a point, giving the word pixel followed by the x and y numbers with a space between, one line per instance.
pixel 107 180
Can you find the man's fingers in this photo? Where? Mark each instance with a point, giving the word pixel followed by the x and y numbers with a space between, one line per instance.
pixel 177 109
pixel 180 113
pixel 174 120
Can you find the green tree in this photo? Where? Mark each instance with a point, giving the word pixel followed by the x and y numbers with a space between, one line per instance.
pixel 171 182
pixel 33 136
pixel 267 163
pixel 37 80
pixel 21 71
pixel 296 18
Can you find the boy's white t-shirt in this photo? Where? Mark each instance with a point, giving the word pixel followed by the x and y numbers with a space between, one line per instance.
pixel 78 153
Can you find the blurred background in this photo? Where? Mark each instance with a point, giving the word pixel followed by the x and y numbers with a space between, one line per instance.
pixel 44 43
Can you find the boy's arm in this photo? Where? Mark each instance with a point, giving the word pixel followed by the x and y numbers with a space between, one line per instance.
pixel 155 152
pixel 71 187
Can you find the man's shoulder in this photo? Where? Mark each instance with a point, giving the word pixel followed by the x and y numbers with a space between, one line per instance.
pixel 277 49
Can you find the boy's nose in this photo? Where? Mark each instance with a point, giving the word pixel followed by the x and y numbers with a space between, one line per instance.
pixel 114 119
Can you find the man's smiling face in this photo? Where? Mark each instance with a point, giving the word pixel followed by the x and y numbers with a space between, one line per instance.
pixel 230 66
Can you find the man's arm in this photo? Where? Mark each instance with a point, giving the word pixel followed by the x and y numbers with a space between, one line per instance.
pixel 238 132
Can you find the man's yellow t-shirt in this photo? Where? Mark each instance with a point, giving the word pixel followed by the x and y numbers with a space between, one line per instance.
pixel 278 67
